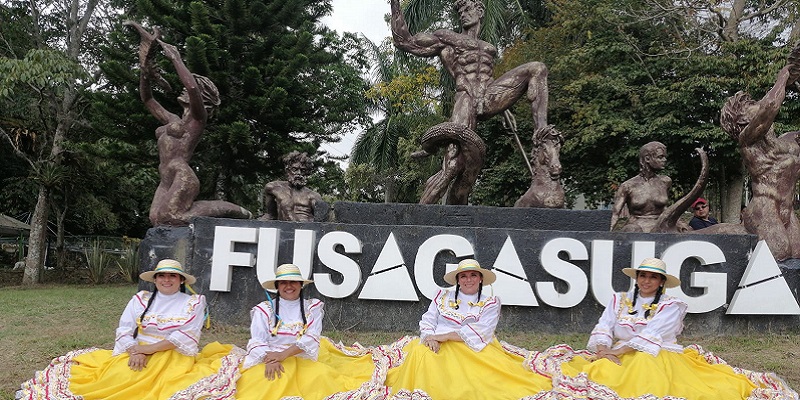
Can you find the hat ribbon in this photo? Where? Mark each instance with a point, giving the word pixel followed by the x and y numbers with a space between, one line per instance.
pixel 285 274
pixel 167 269
pixel 652 268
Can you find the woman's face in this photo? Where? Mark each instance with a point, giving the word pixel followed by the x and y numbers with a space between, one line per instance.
pixel 657 159
pixel 168 283
pixel 649 282
pixel 289 290
pixel 470 281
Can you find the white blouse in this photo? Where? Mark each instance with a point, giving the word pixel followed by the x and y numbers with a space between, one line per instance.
pixel 473 320
pixel 291 330
pixel 177 318
pixel 617 327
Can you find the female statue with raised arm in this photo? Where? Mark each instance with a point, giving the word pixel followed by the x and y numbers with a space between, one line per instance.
pixel 174 201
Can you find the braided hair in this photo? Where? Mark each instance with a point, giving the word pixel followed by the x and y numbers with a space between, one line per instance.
pixel 635 297
pixel 278 307
pixel 659 292
pixel 655 301
pixel 141 317
pixel 150 302
pixel 455 298
pixel 458 288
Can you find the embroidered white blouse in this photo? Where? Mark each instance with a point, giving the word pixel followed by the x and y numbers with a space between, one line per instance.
pixel 291 330
pixel 176 317
pixel 617 327
pixel 474 321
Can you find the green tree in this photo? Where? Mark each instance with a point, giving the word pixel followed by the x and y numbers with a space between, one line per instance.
pixel 624 73
pixel 404 94
pixel 43 73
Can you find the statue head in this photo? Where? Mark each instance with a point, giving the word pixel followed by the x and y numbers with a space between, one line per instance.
pixel 207 88
pixel 471 12
pixel 298 167
pixel 734 116
pixel 546 150
pixel 652 157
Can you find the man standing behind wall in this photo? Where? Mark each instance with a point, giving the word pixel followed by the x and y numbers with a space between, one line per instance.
pixel 701 218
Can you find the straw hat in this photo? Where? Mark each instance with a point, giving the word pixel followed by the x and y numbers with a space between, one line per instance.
pixel 470 265
pixel 285 272
pixel 654 265
pixel 167 266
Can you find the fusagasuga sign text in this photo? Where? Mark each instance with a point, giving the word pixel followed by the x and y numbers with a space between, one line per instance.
pixel 559 269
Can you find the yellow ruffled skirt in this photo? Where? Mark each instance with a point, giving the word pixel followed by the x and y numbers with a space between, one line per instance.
pixel 692 374
pixel 95 374
pixel 458 372
pixel 339 372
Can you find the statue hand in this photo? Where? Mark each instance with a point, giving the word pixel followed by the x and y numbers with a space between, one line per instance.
pixel 419 154
pixel 169 50
pixel 509 121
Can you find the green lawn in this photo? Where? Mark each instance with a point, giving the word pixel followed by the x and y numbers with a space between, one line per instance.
pixel 39 324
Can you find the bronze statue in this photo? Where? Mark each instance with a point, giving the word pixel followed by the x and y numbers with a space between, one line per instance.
pixel 471 62
pixel 644 198
pixel 645 195
pixel 291 200
pixel 173 202
pixel 463 159
pixel 772 162
pixel 545 190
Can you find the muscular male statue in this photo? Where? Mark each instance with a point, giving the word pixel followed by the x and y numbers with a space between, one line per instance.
pixel 773 162
pixel 471 63
pixel 478 95
pixel 291 200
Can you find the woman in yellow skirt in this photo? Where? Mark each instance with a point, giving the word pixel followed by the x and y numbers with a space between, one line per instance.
pixel 633 352
pixel 287 357
pixel 457 355
pixel 154 350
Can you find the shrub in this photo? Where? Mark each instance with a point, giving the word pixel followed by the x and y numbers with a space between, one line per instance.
pixel 97 261
pixel 128 261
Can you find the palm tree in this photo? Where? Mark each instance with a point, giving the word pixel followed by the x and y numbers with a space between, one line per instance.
pixel 377 145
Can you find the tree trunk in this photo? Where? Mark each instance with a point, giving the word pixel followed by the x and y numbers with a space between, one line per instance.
pixel 60 247
pixel 730 32
pixel 37 239
pixel 732 196
pixel 389 192
pixel 795 34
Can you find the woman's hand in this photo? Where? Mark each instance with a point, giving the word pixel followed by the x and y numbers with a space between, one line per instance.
pixel 612 355
pixel 272 365
pixel 431 343
pixel 137 362
pixel 140 349
pixel 272 370
pixel 274 356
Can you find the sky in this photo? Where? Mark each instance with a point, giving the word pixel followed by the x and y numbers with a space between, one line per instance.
pixel 360 16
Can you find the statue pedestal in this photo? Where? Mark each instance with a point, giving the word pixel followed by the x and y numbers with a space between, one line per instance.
pixel 377 265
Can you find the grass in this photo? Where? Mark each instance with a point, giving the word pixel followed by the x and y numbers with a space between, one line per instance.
pixel 39 324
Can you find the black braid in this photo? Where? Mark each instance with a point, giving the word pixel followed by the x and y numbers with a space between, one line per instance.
pixel 183 285
pixel 455 299
pixel 480 289
pixel 302 307
pixel 655 301
pixel 635 296
pixel 277 310
pixel 141 317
